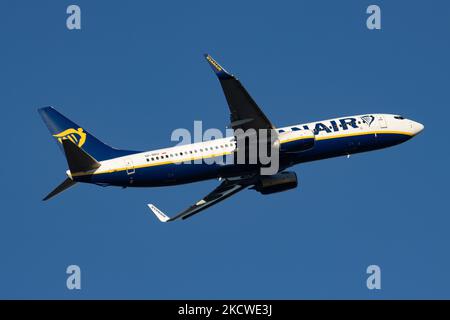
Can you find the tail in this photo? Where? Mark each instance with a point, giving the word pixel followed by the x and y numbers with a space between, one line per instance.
pixel 83 151
pixel 78 161
pixel 62 128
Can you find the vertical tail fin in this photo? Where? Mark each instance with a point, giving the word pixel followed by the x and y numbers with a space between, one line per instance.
pixel 62 128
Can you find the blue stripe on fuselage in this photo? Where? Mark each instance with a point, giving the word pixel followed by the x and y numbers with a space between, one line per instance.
pixel 171 174
pixel 335 147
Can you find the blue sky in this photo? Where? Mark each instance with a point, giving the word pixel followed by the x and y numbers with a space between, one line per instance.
pixel 135 72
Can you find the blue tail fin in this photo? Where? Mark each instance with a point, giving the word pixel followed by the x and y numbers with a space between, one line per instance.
pixel 62 128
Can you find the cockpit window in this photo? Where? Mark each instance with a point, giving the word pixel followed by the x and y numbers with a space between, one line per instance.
pixel 399 117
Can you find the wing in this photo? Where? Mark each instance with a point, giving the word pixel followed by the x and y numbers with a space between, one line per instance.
pixel 245 113
pixel 224 190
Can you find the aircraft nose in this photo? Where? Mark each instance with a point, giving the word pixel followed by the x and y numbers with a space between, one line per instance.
pixel 416 127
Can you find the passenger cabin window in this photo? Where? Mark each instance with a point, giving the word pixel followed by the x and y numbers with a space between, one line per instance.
pixel 295 129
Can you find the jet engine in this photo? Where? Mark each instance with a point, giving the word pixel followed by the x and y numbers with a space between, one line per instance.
pixel 276 183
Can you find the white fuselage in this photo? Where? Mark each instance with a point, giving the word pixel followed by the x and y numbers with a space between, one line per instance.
pixel 333 130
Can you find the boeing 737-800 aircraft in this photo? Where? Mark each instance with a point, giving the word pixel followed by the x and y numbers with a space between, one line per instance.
pixel 91 161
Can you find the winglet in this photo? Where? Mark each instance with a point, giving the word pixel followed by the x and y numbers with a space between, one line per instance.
pixel 217 68
pixel 158 213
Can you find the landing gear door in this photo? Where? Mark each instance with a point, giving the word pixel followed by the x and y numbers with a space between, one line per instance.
pixel 382 121
pixel 130 166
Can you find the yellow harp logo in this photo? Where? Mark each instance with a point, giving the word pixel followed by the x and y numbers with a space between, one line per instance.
pixel 76 136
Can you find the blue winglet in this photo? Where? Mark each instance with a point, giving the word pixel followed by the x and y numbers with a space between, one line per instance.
pixel 217 68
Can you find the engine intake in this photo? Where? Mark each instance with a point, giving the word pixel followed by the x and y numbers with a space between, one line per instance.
pixel 276 183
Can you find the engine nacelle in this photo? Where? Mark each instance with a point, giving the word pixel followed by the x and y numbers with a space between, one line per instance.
pixel 297 141
pixel 276 183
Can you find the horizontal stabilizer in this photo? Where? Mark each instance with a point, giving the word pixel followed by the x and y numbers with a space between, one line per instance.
pixel 78 159
pixel 63 186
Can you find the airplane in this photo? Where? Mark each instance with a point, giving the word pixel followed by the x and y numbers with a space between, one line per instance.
pixel 91 161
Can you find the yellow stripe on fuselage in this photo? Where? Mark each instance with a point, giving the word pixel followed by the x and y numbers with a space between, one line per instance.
pixel 363 134
pixel 146 165
pixel 296 139
pixel 151 164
